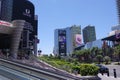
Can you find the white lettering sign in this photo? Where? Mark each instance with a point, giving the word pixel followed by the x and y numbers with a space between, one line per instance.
pixel 27 12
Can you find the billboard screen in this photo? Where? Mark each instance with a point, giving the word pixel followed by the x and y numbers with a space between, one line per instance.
pixel 62 42
pixel 78 40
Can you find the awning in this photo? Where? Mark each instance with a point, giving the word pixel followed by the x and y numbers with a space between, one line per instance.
pixel 115 37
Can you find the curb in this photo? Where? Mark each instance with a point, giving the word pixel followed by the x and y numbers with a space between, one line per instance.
pixel 90 77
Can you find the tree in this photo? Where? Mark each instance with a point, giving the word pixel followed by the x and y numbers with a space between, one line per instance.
pixel 82 55
pixel 92 51
pixel 86 55
pixel 99 58
pixel 117 52
pixel 107 59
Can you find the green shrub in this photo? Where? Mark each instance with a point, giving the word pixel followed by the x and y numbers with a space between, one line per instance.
pixel 88 69
pixel 76 68
pixel 107 59
pixel 117 63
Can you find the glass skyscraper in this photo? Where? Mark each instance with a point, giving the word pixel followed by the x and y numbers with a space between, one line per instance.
pixel 89 34
pixel 118 9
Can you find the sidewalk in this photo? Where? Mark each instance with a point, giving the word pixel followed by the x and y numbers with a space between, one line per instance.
pixel 105 77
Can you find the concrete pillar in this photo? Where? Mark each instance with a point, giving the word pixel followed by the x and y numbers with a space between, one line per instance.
pixel 16 36
pixel 35 46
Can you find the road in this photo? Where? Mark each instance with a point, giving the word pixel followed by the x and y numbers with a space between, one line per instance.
pixel 111 67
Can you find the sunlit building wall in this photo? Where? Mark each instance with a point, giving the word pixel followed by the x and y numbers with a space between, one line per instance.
pixel 72 39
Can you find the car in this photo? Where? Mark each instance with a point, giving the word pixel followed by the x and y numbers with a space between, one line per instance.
pixel 102 69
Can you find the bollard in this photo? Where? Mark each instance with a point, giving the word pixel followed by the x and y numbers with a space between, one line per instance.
pixel 108 73
pixel 114 71
pixel 102 73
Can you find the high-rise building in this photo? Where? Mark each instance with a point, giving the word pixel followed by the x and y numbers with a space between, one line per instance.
pixel 66 40
pixel 89 34
pixel 11 10
pixel 118 9
pixel 115 29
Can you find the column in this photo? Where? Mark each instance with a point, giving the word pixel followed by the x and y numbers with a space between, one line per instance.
pixel 16 36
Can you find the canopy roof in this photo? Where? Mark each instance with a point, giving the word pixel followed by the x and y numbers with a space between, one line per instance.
pixel 115 37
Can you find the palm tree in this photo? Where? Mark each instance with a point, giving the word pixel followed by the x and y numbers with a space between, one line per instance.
pixel 77 54
pixel 117 52
pixel 99 58
pixel 86 55
pixel 82 55
pixel 93 51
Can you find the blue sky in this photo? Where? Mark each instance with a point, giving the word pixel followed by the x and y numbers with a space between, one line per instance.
pixel 54 14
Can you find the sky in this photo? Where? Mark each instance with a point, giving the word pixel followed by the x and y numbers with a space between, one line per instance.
pixel 57 14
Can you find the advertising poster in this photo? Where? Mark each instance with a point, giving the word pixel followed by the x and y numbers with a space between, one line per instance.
pixel 78 40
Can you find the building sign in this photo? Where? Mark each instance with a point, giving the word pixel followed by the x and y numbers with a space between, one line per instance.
pixel 23 9
pixel 4 23
pixel 27 12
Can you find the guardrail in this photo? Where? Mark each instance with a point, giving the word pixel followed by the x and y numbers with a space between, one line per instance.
pixel 21 71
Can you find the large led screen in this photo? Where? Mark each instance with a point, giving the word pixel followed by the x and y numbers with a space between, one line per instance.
pixel 62 42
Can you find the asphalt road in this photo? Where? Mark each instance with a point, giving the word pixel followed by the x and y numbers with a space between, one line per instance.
pixel 111 71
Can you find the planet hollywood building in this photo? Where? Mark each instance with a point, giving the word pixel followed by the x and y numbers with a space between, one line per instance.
pixel 18 27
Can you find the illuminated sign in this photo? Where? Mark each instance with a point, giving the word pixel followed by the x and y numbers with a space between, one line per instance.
pixel 4 23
